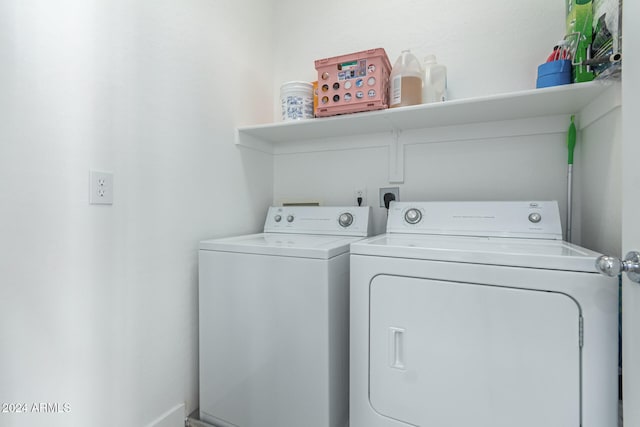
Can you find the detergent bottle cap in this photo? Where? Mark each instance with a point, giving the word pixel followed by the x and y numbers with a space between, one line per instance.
pixel 430 59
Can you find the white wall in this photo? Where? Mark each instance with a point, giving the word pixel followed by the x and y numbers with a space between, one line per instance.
pixel 488 47
pixel 514 168
pixel 598 177
pixel 98 304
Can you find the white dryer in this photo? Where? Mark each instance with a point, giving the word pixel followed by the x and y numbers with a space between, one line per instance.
pixel 478 314
pixel 274 322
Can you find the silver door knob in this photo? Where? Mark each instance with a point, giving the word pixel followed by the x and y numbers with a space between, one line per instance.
pixel 612 266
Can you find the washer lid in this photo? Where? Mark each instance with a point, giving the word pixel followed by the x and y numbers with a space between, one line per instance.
pixel 532 253
pixel 280 244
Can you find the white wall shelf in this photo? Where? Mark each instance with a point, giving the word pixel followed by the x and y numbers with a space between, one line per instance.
pixel 588 101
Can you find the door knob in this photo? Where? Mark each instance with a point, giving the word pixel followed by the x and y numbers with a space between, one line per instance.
pixel 611 266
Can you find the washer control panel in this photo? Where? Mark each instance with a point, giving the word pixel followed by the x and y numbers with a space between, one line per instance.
pixel 539 220
pixel 331 220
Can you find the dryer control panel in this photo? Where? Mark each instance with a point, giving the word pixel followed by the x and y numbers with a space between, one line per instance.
pixel 534 219
pixel 330 220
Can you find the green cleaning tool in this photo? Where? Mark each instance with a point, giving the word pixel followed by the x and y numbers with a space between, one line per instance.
pixel 571 145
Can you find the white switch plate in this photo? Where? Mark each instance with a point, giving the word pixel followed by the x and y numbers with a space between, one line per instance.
pixel 100 188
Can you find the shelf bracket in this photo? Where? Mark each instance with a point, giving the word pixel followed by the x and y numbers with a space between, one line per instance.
pixel 396 158
pixel 243 139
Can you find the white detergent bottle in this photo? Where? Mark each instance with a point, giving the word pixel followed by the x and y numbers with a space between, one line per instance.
pixel 434 86
pixel 406 81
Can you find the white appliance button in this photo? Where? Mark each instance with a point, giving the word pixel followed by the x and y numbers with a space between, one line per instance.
pixel 535 217
pixel 413 216
pixel 290 218
pixel 345 219
pixel 278 218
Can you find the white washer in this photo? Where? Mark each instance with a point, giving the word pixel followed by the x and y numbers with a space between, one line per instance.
pixel 274 322
pixel 478 314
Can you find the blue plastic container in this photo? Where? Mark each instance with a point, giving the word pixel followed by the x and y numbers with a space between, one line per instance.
pixel 554 73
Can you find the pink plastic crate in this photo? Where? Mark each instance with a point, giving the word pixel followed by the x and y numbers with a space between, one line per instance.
pixel 353 83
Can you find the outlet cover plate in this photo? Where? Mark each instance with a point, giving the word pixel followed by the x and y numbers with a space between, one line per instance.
pixel 360 192
pixel 394 190
pixel 100 188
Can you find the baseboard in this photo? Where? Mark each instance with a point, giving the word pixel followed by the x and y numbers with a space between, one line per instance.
pixel 194 420
pixel 174 417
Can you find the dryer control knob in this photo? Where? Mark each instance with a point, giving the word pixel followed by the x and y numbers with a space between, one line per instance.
pixel 290 218
pixel 277 218
pixel 413 216
pixel 535 217
pixel 345 219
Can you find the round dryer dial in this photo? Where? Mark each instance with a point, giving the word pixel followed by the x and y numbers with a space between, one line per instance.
pixel 277 218
pixel 345 219
pixel 535 217
pixel 413 216
pixel 290 218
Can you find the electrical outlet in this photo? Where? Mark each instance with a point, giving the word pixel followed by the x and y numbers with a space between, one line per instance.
pixel 360 192
pixel 393 190
pixel 100 188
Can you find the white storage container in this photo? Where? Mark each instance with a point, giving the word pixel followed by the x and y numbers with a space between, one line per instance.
pixel 296 99
pixel 434 82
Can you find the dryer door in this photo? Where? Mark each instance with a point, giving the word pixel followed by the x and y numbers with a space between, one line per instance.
pixel 464 354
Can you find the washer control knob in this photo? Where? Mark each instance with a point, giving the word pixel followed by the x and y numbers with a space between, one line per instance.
pixel 290 218
pixel 535 217
pixel 345 219
pixel 413 216
pixel 277 218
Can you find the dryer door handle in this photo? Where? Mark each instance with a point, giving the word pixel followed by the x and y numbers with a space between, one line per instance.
pixel 396 348
pixel 612 266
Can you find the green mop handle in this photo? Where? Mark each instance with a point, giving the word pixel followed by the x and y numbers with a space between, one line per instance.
pixel 571 145
pixel 571 140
